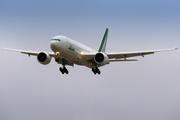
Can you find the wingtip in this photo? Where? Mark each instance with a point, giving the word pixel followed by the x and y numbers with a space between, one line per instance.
pixel 175 48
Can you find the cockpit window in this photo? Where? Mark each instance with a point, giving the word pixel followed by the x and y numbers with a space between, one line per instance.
pixel 56 40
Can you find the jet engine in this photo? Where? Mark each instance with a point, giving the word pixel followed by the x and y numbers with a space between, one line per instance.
pixel 44 58
pixel 101 58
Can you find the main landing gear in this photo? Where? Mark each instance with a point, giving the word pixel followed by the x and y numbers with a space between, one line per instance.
pixel 63 70
pixel 96 70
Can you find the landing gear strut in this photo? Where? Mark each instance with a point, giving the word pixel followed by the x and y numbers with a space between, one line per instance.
pixel 96 70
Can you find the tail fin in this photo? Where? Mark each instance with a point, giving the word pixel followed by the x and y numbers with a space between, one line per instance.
pixel 102 47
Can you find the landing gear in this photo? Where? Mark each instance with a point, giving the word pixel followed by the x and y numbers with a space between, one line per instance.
pixel 96 70
pixel 63 70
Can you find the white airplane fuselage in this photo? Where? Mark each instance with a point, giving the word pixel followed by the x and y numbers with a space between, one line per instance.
pixel 71 50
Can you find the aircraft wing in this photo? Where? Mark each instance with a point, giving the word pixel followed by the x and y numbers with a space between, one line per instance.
pixel 35 53
pixel 118 56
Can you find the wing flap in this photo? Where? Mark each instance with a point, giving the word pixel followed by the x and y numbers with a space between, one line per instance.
pixel 126 55
pixel 117 60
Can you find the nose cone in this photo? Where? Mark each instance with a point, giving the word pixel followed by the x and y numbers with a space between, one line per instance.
pixel 54 46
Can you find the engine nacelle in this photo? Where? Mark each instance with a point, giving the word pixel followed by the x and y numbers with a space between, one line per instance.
pixel 44 58
pixel 101 58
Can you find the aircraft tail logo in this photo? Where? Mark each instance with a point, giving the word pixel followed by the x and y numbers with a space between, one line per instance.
pixel 102 47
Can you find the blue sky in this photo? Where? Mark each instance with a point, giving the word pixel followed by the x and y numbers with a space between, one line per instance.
pixel 81 8
pixel 121 17
pixel 147 89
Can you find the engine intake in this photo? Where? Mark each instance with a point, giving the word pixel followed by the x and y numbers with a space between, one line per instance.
pixel 44 58
pixel 101 59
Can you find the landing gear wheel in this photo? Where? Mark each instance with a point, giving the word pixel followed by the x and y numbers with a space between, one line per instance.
pixel 96 70
pixel 63 70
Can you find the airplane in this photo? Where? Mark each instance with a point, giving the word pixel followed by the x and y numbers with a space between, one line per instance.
pixel 69 52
